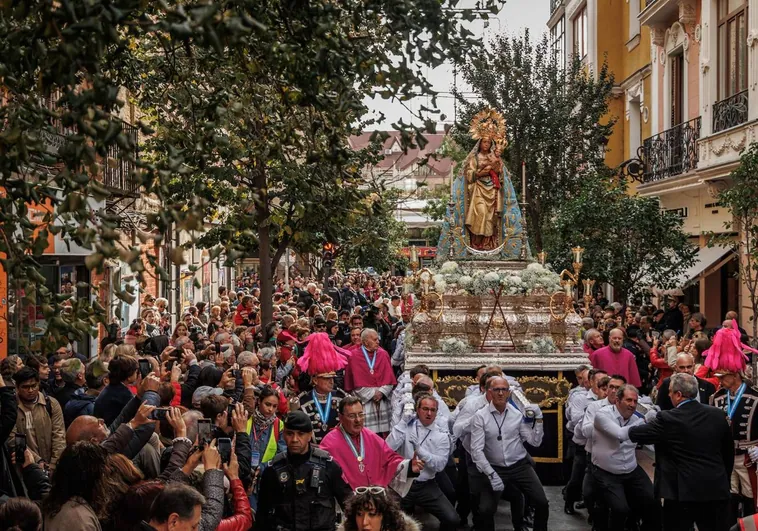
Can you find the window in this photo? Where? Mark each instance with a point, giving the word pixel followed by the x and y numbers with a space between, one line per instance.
pixel 732 46
pixel 677 88
pixel 580 33
pixel 558 42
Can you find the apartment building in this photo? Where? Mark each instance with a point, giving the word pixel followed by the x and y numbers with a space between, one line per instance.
pixel 686 73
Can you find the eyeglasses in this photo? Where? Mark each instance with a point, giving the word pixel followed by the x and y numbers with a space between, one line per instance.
pixel 500 390
pixel 30 387
pixel 429 409
pixel 372 490
pixel 355 416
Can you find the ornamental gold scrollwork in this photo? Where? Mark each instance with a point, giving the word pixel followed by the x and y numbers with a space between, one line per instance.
pixel 452 389
pixel 546 391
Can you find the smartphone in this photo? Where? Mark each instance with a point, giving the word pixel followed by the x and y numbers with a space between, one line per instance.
pixel 20 448
pixel 236 373
pixel 224 446
pixel 159 413
pixel 204 432
pixel 170 365
pixel 229 411
pixel 145 368
pixel 217 346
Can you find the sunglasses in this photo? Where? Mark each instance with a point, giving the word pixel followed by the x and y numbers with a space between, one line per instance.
pixel 372 490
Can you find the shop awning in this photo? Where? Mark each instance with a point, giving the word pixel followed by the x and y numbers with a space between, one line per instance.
pixel 706 260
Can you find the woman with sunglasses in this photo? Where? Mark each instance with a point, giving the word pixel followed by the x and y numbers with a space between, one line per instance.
pixel 371 509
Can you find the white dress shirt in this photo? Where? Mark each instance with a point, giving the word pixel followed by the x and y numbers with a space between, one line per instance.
pixel 488 424
pixel 587 426
pixel 430 444
pixel 462 425
pixel 577 414
pixel 611 448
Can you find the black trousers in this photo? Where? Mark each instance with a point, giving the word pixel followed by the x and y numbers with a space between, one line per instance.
pixel 574 485
pixel 429 496
pixel 629 494
pixel 518 478
pixel 710 515
pixel 462 490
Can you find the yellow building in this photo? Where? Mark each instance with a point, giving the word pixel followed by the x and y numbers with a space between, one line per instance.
pixel 686 74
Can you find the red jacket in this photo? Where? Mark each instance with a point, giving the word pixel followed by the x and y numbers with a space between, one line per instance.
pixel 664 369
pixel 243 516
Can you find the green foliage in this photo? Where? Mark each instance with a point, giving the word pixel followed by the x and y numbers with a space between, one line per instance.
pixel 248 106
pixel 557 121
pixel 375 238
pixel 742 201
pixel 629 241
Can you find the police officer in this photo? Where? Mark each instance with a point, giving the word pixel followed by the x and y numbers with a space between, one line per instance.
pixel 298 488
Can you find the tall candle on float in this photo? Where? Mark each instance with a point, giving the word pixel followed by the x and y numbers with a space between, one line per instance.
pixel 523 182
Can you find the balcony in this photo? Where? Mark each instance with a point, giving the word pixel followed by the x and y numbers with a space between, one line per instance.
pixel 119 172
pixel 672 152
pixel 663 13
pixel 730 112
pixel 555 4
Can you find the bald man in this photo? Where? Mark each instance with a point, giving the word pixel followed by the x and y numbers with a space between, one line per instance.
pixel 615 359
pixel 128 439
pixel 685 364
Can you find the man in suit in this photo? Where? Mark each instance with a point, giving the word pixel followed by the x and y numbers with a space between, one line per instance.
pixel 694 454
pixel 685 364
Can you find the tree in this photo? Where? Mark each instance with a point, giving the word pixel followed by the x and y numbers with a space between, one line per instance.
pixel 265 112
pixel 557 120
pixel 629 241
pixel 742 201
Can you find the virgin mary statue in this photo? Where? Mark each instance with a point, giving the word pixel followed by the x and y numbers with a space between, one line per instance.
pixel 484 219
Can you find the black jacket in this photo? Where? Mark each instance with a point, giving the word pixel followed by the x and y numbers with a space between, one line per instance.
pixel 65 393
pixel 111 401
pixel 10 482
pixel 79 404
pixel 694 452
pixel 706 390
pixel 673 319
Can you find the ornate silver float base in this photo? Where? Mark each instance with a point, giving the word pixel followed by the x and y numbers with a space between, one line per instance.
pixel 514 361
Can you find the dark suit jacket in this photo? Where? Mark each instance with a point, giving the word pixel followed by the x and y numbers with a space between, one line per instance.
pixel 664 402
pixel 694 452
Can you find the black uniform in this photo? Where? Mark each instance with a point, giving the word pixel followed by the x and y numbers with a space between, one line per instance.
pixel 308 406
pixel 298 492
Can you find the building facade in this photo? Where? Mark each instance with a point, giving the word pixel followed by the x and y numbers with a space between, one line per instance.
pixel 686 72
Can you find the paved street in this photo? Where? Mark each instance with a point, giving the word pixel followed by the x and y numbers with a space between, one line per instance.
pixel 558 520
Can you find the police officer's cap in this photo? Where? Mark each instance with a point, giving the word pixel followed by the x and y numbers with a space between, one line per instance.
pixel 298 421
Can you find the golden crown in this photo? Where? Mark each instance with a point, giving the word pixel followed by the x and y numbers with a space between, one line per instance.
pixel 489 124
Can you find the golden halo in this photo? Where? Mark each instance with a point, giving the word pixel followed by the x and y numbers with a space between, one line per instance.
pixel 489 124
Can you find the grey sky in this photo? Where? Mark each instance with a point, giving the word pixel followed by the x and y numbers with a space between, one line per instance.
pixel 516 16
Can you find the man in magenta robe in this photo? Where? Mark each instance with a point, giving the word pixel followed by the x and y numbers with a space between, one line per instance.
pixel 364 456
pixel 369 376
pixel 615 359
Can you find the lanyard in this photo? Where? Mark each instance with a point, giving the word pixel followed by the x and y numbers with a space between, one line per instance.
pixel 500 425
pixel 428 433
pixel 731 408
pixel 257 437
pixel 349 441
pixel 326 411
pixel 370 363
pixel 684 402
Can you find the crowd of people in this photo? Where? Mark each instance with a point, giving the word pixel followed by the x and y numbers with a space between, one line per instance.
pixel 313 422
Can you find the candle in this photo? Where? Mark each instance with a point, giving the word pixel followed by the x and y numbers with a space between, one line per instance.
pixel 578 252
pixel 569 287
pixel 523 182
pixel 414 255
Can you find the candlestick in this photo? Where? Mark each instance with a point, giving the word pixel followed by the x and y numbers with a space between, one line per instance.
pixel 523 182
pixel 578 253
pixel 541 257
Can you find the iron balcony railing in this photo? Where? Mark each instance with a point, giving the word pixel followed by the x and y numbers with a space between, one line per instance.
pixel 648 3
pixel 555 4
pixel 730 112
pixel 671 152
pixel 119 174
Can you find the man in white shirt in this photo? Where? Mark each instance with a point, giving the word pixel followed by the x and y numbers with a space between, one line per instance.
pixel 576 410
pixel 421 438
pixel 607 388
pixel 498 433
pixel 624 485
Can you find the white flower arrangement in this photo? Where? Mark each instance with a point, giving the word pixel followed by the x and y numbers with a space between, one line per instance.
pixel 465 282
pixel 543 345
pixel 537 276
pixel 438 278
pixel 440 286
pixel 449 268
pixel 455 346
